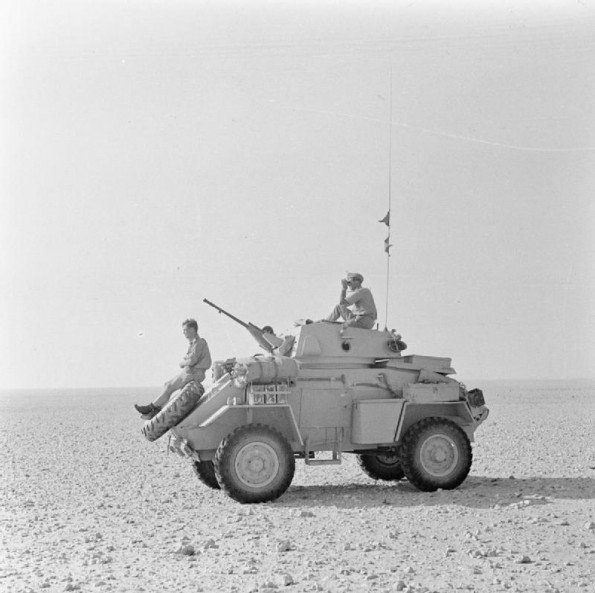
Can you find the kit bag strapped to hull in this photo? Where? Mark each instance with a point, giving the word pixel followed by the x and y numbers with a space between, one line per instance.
pixel 174 411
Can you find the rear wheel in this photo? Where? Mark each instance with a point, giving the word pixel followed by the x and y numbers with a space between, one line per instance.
pixel 205 472
pixel 436 453
pixel 254 464
pixel 385 466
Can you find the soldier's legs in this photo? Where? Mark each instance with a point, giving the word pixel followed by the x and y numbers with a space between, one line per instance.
pixel 335 314
pixel 340 311
pixel 171 387
pixel 364 322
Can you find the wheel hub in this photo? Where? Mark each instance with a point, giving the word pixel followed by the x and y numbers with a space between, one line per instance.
pixel 257 464
pixel 388 459
pixel 439 455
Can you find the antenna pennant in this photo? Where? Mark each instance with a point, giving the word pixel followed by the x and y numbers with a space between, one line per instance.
pixel 387 245
pixel 386 219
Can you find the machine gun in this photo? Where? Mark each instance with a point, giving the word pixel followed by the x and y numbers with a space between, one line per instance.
pixel 266 341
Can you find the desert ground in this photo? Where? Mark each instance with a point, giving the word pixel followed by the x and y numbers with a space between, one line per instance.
pixel 87 504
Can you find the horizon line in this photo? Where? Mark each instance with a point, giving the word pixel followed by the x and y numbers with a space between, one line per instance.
pixel 159 386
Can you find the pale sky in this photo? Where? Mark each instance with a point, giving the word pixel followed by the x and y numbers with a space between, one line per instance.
pixel 156 153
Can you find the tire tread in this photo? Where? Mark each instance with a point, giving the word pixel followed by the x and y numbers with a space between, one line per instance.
pixel 416 476
pixel 223 463
pixel 174 411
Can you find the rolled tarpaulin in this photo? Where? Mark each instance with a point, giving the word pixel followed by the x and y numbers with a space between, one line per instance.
pixel 264 370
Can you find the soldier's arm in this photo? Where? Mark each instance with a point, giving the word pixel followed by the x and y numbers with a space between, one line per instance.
pixel 195 354
pixel 353 298
pixel 342 297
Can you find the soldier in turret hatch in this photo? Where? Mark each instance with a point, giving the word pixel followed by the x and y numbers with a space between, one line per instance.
pixel 356 304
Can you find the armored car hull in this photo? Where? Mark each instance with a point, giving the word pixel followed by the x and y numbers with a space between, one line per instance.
pixel 334 390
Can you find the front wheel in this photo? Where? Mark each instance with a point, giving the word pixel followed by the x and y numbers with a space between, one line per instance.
pixel 384 466
pixel 436 453
pixel 254 464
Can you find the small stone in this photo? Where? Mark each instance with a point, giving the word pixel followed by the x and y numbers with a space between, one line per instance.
pixel 409 570
pixel 286 579
pixel 187 550
pixel 524 560
pixel 589 525
pixel 306 514
pixel 284 546
pixel 400 586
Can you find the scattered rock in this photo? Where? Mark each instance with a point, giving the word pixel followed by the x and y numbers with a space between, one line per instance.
pixel 284 546
pixel 285 579
pixel 187 550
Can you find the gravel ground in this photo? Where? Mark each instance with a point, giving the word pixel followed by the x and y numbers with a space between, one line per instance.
pixel 88 505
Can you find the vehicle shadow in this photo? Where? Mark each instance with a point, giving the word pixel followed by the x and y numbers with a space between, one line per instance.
pixel 478 492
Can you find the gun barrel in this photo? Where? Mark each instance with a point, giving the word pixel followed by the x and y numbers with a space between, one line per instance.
pixel 254 330
pixel 225 313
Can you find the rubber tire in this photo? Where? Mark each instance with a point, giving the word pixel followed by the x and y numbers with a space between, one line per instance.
pixel 174 411
pixel 257 447
pixel 377 467
pixel 205 472
pixel 428 437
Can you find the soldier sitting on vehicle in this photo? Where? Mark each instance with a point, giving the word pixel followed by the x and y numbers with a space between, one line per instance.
pixel 356 304
pixel 194 364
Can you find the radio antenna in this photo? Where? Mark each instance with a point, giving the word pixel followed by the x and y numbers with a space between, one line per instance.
pixel 387 244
